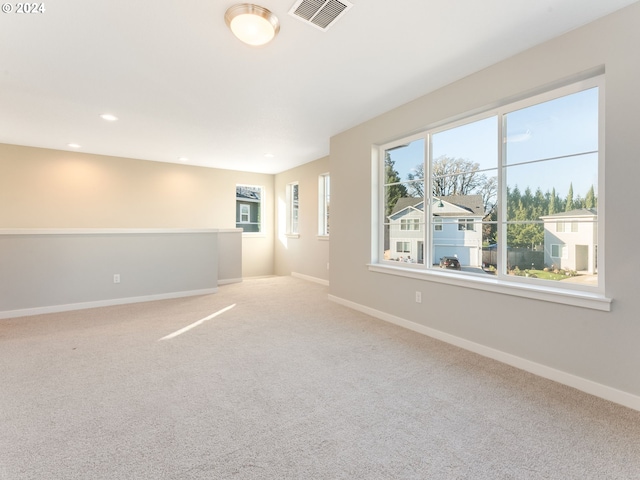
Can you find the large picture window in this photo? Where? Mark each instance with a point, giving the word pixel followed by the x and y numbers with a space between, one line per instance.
pixel 511 193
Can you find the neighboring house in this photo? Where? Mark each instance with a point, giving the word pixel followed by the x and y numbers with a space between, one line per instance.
pixel 571 240
pixel 457 229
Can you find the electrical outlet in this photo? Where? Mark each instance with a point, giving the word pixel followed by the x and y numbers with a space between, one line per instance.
pixel 116 278
pixel 418 297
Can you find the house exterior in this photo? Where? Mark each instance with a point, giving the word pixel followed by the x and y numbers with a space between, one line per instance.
pixel 571 240
pixel 457 229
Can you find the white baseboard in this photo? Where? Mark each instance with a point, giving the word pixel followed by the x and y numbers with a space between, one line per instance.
pixel 102 303
pixel 227 281
pixel 310 278
pixel 603 391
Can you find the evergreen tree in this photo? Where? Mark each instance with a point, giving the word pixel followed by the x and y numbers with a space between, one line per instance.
pixel 395 191
pixel 590 199
pixel 569 205
pixel 553 206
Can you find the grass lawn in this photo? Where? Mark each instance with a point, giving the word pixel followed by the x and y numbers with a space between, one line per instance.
pixel 548 275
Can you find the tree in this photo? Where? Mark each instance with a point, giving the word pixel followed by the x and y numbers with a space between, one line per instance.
pixel 568 206
pixel 553 206
pixel 489 192
pixel 395 189
pixel 590 200
pixel 455 176
pixel 415 187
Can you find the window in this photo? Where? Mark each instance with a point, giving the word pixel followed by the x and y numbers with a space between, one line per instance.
pixel 245 213
pixel 323 204
pixel 249 208
pixel 293 208
pixel 410 224
pixel 513 180
pixel 567 227
pixel 403 247
pixel 465 224
pixel 558 251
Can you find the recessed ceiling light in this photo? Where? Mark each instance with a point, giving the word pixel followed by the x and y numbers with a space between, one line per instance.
pixel 73 145
pixel 108 117
pixel 183 159
pixel 269 155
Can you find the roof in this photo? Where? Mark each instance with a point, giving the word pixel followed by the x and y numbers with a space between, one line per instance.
pixel 453 205
pixel 248 194
pixel 472 203
pixel 579 212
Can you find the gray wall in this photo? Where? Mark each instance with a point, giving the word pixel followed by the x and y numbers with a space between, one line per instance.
pixel 600 347
pixel 53 271
pixel 229 256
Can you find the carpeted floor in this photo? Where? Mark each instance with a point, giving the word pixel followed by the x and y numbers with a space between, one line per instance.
pixel 283 384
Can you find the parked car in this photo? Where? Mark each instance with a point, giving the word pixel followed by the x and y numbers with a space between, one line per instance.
pixel 450 262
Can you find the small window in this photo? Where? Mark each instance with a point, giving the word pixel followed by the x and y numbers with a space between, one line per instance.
pixel 249 208
pixel 437 224
pixel 466 224
pixel 245 213
pixel 559 251
pixel 403 247
pixel 410 224
pixel 323 204
pixel 293 208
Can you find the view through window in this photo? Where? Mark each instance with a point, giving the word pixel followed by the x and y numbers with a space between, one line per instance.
pixel 512 193
pixel 249 208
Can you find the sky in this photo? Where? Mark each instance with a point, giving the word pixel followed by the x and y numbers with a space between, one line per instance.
pixel 560 127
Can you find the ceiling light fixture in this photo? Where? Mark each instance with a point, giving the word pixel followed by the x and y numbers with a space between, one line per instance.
pixel 252 24
pixel 108 117
pixel 73 145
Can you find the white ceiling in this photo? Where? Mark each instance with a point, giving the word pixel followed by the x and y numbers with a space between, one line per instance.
pixel 183 86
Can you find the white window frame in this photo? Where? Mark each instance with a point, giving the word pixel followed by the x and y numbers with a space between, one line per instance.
pixel 572 294
pixel 324 196
pixel 293 209
pixel 260 232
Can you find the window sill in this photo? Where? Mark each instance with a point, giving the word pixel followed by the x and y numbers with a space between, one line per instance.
pixel 323 237
pixel 564 296
pixel 292 235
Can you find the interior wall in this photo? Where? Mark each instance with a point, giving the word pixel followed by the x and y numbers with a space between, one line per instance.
pixel 59 270
pixel 306 254
pixel 601 347
pixel 43 188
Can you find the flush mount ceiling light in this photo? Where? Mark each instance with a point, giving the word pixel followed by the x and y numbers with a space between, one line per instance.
pixel 108 117
pixel 252 24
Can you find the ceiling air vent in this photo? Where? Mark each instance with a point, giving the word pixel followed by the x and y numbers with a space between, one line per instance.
pixel 320 13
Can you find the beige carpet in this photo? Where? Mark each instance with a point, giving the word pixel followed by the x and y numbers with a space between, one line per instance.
pixel 283 385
